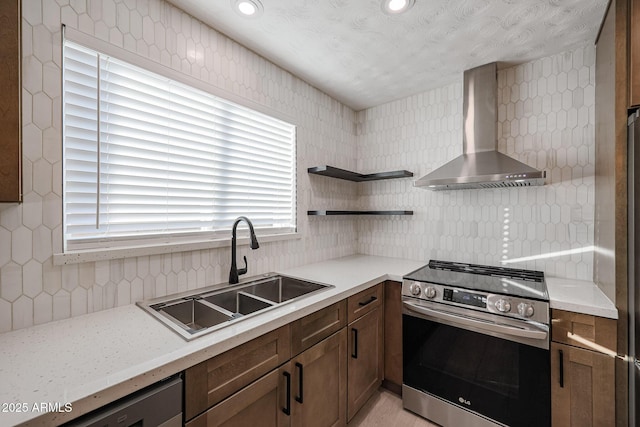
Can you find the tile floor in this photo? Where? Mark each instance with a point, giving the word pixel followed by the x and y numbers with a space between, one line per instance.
pixel 384 409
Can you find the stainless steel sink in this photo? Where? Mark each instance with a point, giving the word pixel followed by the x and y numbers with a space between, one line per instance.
pixel 282 289
pixel 197 313
pixel 191 315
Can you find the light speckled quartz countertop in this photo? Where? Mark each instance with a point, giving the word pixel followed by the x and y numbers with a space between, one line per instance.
pixel 580 296
pixel 94 359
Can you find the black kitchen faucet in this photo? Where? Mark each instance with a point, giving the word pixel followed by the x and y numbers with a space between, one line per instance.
pixel 234 273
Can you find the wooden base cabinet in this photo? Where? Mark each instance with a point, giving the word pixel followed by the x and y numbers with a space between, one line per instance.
pixel 313 372
pixel 582 370
pixel 259 383
pixel 308 391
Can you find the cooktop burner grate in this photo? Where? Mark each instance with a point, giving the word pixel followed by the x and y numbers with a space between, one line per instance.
pixel 487 270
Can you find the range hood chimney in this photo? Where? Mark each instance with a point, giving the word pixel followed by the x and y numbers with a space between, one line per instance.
pixel 481 165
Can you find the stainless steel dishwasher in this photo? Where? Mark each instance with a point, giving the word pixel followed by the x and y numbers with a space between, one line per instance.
pixel 159 405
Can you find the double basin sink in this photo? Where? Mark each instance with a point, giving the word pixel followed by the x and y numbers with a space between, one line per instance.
pixel 197 313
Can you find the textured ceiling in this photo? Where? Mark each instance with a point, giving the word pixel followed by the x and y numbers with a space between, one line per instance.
pixel 363 57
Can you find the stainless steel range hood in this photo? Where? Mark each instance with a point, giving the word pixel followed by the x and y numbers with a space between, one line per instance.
pixel 481 165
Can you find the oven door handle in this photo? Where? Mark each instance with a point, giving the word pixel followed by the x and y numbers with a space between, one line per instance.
pixel 480 324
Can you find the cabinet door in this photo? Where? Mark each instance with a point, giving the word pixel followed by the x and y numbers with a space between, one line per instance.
pixel 393 336
pixel 365 356
pixel 582 387
pixel 263 403
pixel 10 87
pixel 319 384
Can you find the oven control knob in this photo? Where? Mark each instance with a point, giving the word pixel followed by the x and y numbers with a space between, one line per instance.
pixel 415 289
pixel 430 292
pixel 525 310
pixel 503 306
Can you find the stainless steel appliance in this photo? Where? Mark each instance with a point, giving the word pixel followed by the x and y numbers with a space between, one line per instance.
pixel 476 345
pixel 481 165
pixel 159 405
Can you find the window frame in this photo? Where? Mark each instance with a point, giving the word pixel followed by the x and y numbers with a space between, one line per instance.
pixel 174 241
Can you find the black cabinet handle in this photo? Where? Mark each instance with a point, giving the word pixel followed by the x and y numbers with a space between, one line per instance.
pixel 300 383
pixel 369 301
pixel 561 369
pixel 354 335
pixel 287 409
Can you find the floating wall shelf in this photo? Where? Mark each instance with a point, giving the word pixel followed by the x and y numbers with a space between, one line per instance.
pixel 329 213
pixel 332 172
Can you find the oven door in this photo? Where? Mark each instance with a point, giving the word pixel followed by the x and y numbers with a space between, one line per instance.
pixel 475 366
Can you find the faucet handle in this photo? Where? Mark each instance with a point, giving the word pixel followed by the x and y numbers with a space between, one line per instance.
pixel 244 269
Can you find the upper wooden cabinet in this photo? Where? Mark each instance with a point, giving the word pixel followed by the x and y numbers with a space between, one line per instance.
pixel 10 87
pixel 634 54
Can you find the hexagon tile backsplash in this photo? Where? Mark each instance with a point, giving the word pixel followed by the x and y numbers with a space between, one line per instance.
pixel 546 120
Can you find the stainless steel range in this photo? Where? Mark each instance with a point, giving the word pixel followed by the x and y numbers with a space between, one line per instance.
pixel 476 345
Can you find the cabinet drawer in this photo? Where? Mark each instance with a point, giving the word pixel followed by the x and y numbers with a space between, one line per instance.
pixel 213 380
pixel 361 303
pixel 582 329
pixel 317 326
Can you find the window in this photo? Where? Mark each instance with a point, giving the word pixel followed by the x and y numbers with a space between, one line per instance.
pixel 147 157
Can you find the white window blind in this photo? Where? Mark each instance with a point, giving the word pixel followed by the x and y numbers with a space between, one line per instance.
pixel 149 157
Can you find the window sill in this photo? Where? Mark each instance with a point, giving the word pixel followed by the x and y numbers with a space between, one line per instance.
pixel 92 255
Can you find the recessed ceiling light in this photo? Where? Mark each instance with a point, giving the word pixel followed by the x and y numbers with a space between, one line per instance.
pixel 247 8
pixel 394 7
